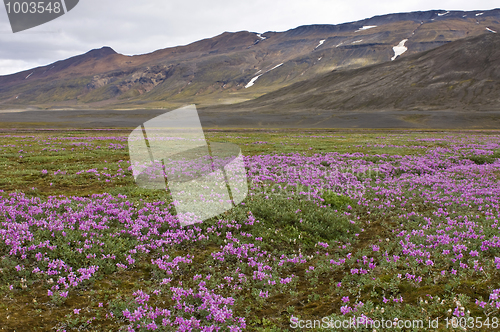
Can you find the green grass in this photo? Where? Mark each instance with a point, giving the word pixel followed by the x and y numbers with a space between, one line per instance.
pixel 288 224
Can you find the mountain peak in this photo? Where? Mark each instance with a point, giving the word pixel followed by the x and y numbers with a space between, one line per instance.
pixel 101 52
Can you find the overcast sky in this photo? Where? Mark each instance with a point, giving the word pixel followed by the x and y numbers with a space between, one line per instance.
pixel 136 27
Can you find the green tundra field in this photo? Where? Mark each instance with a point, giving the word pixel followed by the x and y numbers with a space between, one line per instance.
pixel 341 230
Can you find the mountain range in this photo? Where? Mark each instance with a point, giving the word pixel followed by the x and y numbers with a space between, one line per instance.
pixel 461 75
pixel 408 61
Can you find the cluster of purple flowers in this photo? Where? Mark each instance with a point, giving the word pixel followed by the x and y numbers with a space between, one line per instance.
pixel 443 206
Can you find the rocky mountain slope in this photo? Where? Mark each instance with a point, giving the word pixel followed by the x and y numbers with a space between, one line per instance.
pixel 462 75
pixel 235 67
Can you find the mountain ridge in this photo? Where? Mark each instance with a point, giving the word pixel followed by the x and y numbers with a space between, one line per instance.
pixel 461 75
pixel 218 70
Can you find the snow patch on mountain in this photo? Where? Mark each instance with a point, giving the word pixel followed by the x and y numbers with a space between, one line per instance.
pixel 274 67
pixel 439 14
pixel 252 81
pixel 399 49
pixel 366 27
pixel 491 30
pixel 28 76
pixel 320 43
